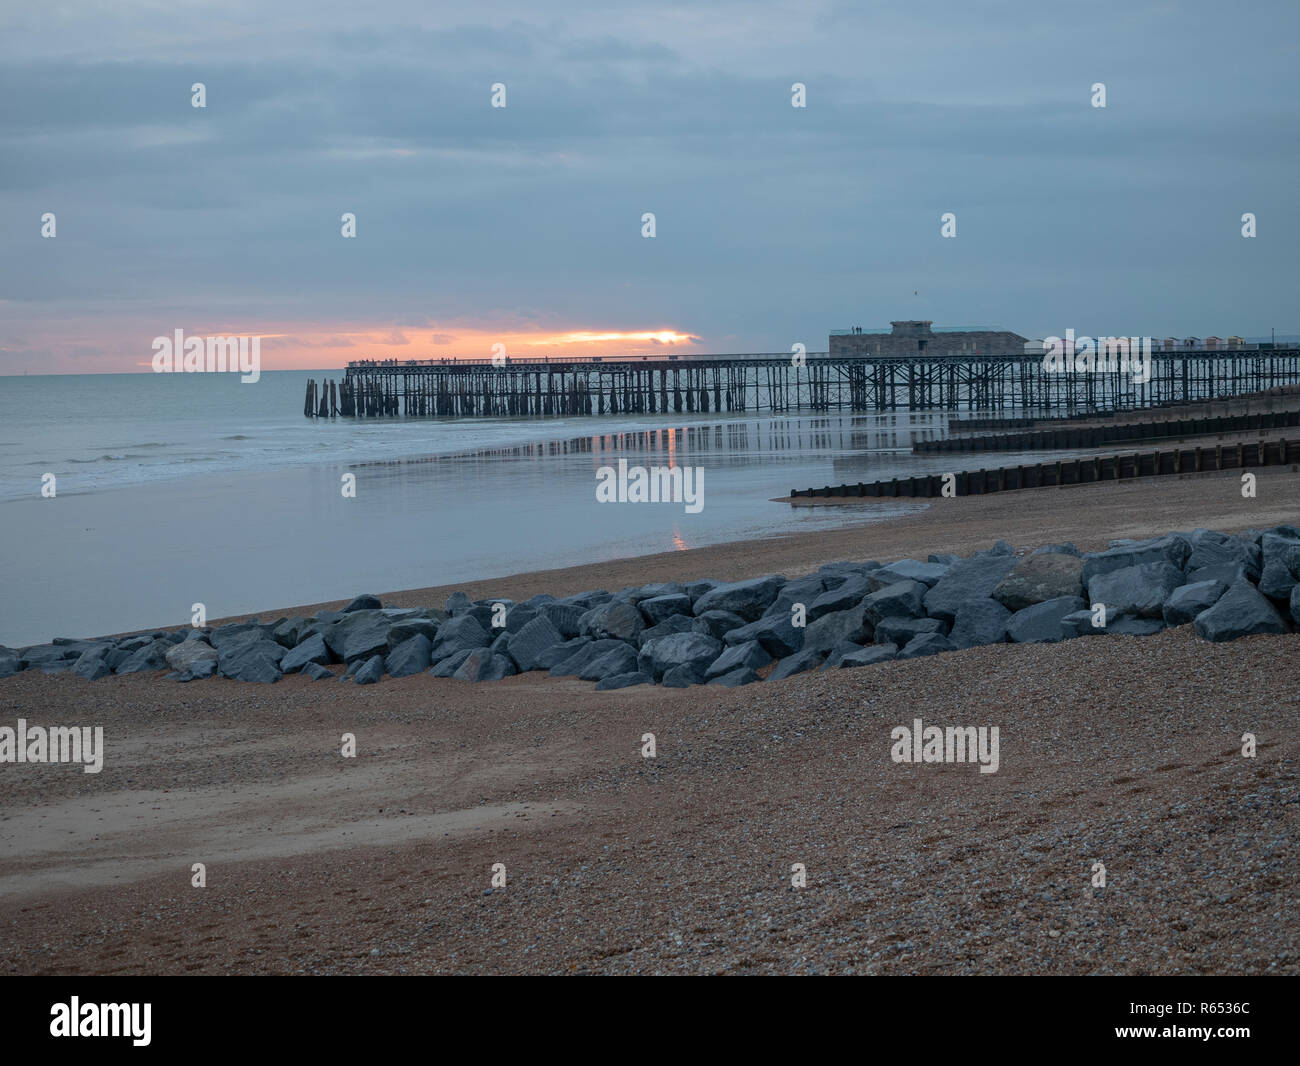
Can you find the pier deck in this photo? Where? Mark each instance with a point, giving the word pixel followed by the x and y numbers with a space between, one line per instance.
pixel 772 382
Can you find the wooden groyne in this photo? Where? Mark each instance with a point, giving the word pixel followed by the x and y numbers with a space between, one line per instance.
pixel 1071 472
pixel 1076 437
pixel 596 385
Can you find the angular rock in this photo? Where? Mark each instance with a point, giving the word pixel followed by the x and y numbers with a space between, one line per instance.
pixel 447 667
pixel 531 640
pixel 457 602
pixel 980 622
pixel 219 638
pixel 254 660
pixel 1226 574
pixel 656 608
pixel 1276 580
pixel 359 635
pixel 291 632
pixel 803 590
pixel 1189 600
pixel 92 667
pixel 902 599
pixel 1079 624
pixel 712 623
pixel 1222 549
pixel 370 672
pixel 1041 623
pixel 832 629
pixel 520 615
pixel 200 669
pixel 926 644
pixel 928 574
pixel 1240 612
pixel 586 654
pixel 182 656
pixel 777 635
pixel 681 677
pixel 740 676
pixel 1038 578
pixel 565 617
pixel 836 655
pixel 901 630
pixel 557 653
pixel 606 684
pixel 1137 590
pixel 797 663
pixel 410 657
pixel 749 656
pixel 677 623
pixel 689 652
pixel 1174 549
pixel 968 580
pixel 1058 549
pixel 459 633
pixel 749 599
pixel 482 665
pixel 616 620
pixel 841 598
pixel 402 631
pixel 616 661
pixel 1129 626
pixel 661 588
pixel 316 672
pixel 363 603
pixel 877 653
pixel 311 650
pixel 586 600
pixel 152 656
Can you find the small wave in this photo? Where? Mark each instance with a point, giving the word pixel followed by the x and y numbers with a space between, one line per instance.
pixel 105 459
pixel 148 444
pixel 237 436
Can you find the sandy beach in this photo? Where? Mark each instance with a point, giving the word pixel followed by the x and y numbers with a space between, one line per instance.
pixel 1114 750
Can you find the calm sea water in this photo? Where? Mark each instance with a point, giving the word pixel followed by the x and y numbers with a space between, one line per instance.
pixel 174 489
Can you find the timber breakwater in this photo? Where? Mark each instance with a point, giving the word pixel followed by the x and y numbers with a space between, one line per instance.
pixel 679 634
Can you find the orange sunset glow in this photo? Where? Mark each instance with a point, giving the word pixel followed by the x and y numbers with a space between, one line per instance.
pixel 313 346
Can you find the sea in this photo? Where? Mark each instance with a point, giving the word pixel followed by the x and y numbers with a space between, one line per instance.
pixel 171 490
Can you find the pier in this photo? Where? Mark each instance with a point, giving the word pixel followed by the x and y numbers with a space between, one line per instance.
pixel 613 385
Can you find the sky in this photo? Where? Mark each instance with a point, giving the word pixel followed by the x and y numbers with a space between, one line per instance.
pixel 522 225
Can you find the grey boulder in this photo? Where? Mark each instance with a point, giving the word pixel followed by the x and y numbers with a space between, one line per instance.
pixel 968 580
pixel 689 653
pixel 901 599
pixel 926 644
pixel 1187 601
pixel 370 672
pixel 750 656
pixel 531 640
pixel 1240 612
pixel 877 653
pixel 410 657
pixel 797 663
pixel 749 599
pixel 459 633
pixel 978 622
pixel 311 650
pixel 616 620
pixel 1041 623
pixel 1139 590
pixel 1038 578
pixel 607 684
